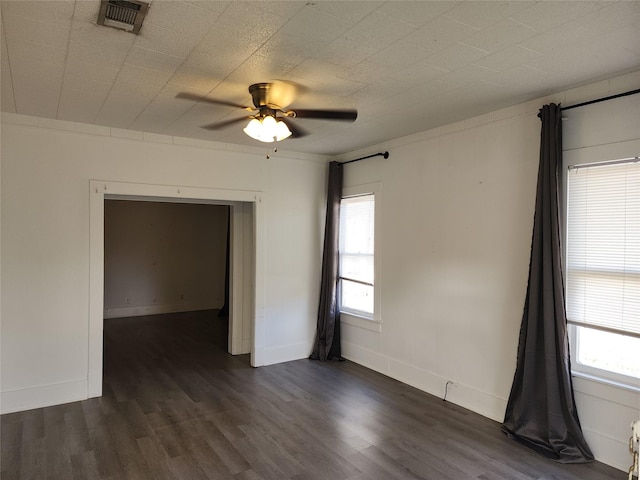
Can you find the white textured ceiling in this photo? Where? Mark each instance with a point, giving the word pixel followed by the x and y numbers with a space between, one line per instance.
pixel 406 66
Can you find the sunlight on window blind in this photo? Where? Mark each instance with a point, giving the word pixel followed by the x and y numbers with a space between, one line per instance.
pixel 603 247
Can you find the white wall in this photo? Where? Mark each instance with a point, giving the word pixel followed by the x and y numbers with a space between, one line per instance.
pixel 457 209
pixel 456 219
pixel 162 257
pixel 46 169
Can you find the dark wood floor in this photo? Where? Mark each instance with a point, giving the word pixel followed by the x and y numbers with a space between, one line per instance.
pixel 176 406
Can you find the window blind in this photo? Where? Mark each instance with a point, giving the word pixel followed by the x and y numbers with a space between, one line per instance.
pixel 603 247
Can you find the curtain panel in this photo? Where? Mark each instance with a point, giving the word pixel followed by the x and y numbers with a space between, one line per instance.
pixel 326 345
pixel 541 411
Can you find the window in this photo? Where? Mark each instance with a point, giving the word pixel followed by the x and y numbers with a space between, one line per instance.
pixel 357 229
pixel 603 268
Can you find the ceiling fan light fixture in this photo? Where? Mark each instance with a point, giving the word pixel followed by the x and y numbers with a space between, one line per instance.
pixel 267 129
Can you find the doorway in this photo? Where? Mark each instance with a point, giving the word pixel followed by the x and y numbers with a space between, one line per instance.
pixel 164 257
pixel 246 266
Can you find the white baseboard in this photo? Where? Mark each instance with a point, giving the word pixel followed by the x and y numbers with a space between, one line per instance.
pixel 465 396
pixel 286 353
pixel 138 311
pixel 609 450
pixel 43 396
pixel 365 357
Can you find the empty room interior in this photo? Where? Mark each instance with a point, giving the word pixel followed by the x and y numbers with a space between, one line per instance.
pixel 320 239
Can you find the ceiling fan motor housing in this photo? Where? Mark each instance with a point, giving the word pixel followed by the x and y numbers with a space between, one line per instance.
pixel 259 93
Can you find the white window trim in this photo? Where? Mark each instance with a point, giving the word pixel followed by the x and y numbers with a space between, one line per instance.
pixel 572 158
pixel 354 318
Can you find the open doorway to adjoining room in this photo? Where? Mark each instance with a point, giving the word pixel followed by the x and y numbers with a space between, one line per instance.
pixel 241 211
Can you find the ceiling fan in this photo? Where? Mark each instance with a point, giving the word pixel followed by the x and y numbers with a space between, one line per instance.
pixel 270 120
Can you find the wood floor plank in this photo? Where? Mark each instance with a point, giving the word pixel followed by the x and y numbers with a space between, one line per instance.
pixel 209 462
pixel 156 457
pixel 175 405
pixel 376 462
pixel 84 466
pixel 33 459
pixel 104 449
pixel 184 466
pixel 224 448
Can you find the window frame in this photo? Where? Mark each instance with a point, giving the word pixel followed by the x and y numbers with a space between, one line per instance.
pixel 352 317
pixel 572 159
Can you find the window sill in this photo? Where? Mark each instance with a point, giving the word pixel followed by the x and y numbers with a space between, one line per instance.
pixel 623 394
pixel 360 322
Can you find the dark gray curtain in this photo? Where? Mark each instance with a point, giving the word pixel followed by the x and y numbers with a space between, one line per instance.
pixel 541 412
pixel 327 342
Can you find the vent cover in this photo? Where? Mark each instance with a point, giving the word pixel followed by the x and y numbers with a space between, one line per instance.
pixel 122 14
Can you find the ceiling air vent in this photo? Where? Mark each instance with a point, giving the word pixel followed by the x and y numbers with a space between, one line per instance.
pixel 122 14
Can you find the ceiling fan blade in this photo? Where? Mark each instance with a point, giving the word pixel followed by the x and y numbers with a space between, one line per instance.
pixel 200 98
pixel 345 115
pixel 225 123
pixel 296 132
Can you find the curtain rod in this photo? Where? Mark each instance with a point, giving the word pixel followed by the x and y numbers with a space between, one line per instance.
pixel 379 154
pixel 598 100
